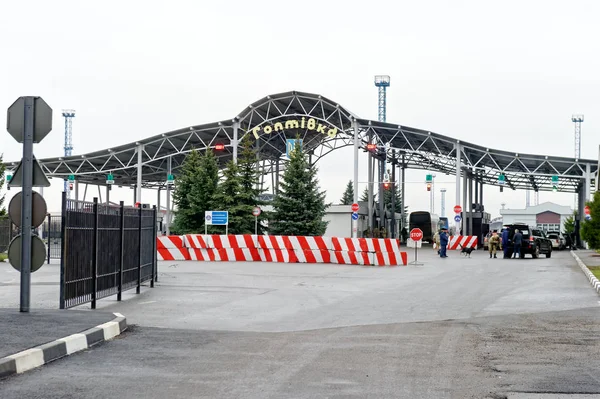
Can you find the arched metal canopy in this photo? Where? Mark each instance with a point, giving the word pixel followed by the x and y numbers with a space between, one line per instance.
pixel 273 118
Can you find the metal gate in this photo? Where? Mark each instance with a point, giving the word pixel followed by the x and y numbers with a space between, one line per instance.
pixel 105 250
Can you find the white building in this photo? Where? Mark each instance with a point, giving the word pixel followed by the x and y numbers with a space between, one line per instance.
pixel 547 216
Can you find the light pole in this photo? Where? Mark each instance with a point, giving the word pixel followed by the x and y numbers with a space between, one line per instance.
pixel 443 210
pixel 432 195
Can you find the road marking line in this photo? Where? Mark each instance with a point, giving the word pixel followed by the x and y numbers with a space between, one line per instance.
pixel 145 303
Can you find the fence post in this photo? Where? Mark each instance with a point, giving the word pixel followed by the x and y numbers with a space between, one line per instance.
pixel 121 250
pixel 139 266
pixel 48 235
pixel 63 247
pixel 154 265
pixel 95 254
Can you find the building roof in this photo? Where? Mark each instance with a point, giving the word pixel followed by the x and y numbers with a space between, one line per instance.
pixel 537 209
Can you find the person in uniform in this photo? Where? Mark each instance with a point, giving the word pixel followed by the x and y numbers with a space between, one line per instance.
pixel 505 242
pixel 443 243
pixel 494 243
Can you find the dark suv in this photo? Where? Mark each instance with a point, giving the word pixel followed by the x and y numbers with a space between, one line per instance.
pixel 534 241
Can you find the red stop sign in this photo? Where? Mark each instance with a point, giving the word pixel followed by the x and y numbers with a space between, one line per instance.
pixel 457 209
pixel 355 207
pixel 416 234
pixel 586 210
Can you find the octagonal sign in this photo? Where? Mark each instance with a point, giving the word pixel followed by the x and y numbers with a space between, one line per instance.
pixel 42 119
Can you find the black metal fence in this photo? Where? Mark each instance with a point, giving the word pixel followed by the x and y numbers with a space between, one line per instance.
pixel 6 233
pixel 105 250
pixel 51 232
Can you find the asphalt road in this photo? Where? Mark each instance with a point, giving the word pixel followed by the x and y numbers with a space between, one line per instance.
pixel 452 328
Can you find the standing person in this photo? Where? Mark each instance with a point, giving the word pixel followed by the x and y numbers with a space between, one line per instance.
pixel 494 243
pixel 443 243
pixel 436 241
pixel 517 241
pixel 505 242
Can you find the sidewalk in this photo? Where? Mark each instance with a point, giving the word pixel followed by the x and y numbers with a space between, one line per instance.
pixel 589 258
pixel 29 340
pixel 585 259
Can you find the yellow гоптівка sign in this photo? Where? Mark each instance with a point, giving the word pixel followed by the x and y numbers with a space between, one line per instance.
pixel 310 124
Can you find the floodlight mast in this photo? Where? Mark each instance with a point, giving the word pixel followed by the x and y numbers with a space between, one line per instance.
pixel 68 114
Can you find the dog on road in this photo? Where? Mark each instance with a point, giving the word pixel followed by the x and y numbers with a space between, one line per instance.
pixel 466 251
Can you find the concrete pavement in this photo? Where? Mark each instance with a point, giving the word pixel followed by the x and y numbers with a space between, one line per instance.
pixel 485 357
pixel 452 328
pixel 294 297
pixel 30 340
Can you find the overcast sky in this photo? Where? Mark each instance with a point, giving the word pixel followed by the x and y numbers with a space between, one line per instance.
pixel 507 76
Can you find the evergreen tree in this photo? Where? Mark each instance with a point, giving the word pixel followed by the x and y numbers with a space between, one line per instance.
pixel 387 199
pixel 228 199
pixel 2 169
pixel 365 195
pixel 250 191
pixel 194 193
pixel 299 205
pixel 590 229
pixel 348 196
pixel 570 224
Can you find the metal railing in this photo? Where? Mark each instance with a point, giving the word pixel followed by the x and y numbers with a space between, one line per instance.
pixel 105 250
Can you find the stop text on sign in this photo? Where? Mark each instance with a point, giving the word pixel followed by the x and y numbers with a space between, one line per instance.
pixel 310 124
pixel 416 234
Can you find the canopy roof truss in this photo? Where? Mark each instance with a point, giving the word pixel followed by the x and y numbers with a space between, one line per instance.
pixel 414 148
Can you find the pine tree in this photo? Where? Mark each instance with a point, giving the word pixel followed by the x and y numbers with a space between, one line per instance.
pixel 365 195
pixel 570 224
pixel 194 193
pixel 299 205
pixel 250 191
pixel 387 199
pixel 228 198
pixel 348 196
pixel 590 229
pixel 2 169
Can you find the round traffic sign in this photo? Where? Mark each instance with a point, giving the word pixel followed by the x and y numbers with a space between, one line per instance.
pixel 39 210
pixel 38 253
pixel 457 209
pixel 256 211
pixel 586 210
pixel 588 217
pixel 457 218
pixel 416 234
pixel 355 207
pixel 355 216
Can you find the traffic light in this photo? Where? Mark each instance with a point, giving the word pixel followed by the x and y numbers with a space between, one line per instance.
pixel 371 147
pixel 386 185
pixel 219 147
pixel 428 186
pixel 70 186
pixel 555 183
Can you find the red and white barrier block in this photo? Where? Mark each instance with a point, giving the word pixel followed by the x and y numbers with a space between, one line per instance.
pixel 284 249
pixel 171 248
pixel 224 254
pixel 215 241
pixel 455 242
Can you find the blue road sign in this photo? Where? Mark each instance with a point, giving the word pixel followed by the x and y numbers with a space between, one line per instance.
pixel 355 216
pixel 457 218
pixel 290 144
pixel 216 218
pixel 588 217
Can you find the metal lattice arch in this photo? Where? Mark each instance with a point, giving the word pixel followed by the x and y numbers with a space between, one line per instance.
pixel 332 127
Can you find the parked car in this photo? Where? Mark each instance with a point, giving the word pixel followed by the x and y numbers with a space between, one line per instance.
pixel 535 242
pixel 558 240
